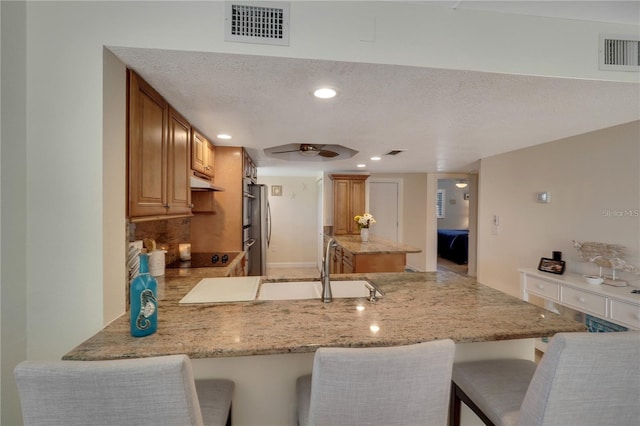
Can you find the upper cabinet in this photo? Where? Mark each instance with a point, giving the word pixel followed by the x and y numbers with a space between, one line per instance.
pixel 249 168
pixel 178 165
pixel 158 139
pixel 202 154
pixel 348 201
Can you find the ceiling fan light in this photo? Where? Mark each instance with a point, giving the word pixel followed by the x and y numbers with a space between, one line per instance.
pixel 325 93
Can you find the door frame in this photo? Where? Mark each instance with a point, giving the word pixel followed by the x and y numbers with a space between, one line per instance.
pixel 472 178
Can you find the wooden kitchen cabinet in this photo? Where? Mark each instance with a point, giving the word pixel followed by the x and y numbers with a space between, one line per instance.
pixel 159 155
pixel 351 256
pixel 379 262
pixel 178 164
pixel 347 262
pixel 336 260
pixel 240 269
pixel 202 154
pixel 348 201
pixel 249 168
pixel 221 229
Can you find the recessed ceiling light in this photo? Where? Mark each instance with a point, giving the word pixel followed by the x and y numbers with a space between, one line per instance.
pixel 375 158
pixel 361 165
pixel 325 93
pixel 224 136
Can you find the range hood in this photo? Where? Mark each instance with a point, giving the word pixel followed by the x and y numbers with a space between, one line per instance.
pixel 200 184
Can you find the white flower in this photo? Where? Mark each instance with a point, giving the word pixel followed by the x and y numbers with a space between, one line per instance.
pixel 365 220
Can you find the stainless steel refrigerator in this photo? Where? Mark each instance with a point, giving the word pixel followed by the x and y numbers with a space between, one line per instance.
pixel 259 231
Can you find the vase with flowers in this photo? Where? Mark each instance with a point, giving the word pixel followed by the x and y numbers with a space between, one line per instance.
pixel 364 221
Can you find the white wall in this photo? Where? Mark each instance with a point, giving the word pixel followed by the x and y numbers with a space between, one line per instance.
pixel 55 227
pixel 294 221
pixel 114 175
pixel 586 175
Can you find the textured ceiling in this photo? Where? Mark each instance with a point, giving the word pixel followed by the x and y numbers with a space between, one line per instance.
pixel 445 120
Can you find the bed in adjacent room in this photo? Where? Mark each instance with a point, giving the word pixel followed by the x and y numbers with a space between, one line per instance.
pixel 453 245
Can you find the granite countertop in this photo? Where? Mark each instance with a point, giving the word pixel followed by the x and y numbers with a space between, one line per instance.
pixel 416 307
pixel 354 244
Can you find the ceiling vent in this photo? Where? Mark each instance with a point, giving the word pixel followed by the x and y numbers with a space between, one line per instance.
pixel 619 53
pixel 257 22
pixel 395 151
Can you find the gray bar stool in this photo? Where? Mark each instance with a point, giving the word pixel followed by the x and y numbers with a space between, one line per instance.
pixel 143 391
pixel 400 385
pixel 583 379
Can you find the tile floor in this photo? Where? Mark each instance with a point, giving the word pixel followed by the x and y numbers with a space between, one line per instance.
pixel 452 266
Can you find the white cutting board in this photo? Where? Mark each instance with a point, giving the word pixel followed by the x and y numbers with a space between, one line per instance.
pixel 227 289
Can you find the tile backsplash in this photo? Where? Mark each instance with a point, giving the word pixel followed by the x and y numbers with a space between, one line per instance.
pixel 167 234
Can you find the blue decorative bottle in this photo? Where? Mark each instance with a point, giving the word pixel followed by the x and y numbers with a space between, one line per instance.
pixel 143 301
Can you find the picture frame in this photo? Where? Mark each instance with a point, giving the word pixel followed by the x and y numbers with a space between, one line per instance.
pixel 551 266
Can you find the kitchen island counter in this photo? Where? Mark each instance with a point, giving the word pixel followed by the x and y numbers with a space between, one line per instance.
pixel 416 307
pixel 375 245
pixel 352 255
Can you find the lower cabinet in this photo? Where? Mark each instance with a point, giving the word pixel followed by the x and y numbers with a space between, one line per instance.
pixel 379 262
pixel 240 269
pixel 336 260
pixel 344 261
pixel 347 262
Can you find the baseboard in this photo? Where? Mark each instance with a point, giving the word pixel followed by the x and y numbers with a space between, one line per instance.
pixel 276 265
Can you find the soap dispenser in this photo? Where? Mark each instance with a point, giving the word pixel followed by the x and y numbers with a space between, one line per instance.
pixel 143 301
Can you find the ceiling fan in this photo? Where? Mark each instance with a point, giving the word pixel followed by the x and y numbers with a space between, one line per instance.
pixel 307 151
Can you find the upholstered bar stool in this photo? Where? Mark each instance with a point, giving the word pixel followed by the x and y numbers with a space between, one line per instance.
pixel 401 385
pixel 583 379
pixel 144 391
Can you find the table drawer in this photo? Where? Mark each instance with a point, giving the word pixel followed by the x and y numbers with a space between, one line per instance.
pixel 543 288
pixel 625 314
pixel 584 302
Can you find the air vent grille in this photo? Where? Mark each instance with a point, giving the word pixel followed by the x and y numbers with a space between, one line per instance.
pixel 620 53
pixel 257 22
pixel 395 151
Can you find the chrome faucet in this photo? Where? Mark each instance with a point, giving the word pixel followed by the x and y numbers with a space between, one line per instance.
pixel 325 273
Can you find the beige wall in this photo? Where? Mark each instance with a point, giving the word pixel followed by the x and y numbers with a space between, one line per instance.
pixel 294 221
pixel 587 176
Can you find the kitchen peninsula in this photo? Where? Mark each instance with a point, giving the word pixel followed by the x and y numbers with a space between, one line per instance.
pixel 352 255
pixel 264 345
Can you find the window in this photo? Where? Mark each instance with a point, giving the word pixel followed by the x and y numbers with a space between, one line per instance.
pixel 440 204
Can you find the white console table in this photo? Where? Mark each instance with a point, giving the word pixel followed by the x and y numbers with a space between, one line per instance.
pixel 615 304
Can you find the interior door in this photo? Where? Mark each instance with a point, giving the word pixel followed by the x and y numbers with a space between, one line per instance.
pixel 384 206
